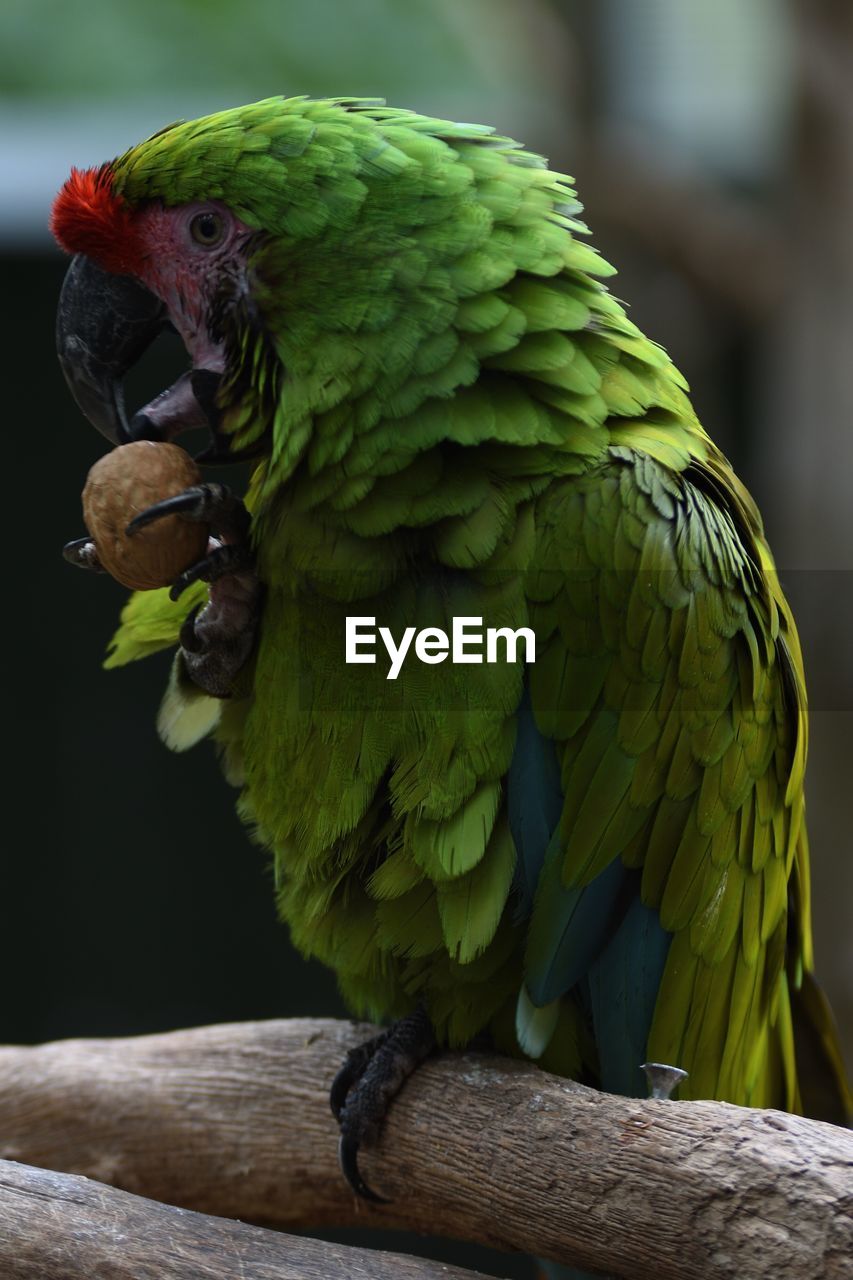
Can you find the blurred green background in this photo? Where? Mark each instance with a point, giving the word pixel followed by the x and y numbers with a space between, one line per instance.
pixel 712 143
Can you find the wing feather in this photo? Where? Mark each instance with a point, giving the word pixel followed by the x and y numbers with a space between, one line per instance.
pixel 679 757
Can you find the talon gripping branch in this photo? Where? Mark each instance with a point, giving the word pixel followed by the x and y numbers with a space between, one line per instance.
pixel 600 859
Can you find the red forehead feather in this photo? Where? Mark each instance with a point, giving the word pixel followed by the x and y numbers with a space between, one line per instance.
pixel 89 217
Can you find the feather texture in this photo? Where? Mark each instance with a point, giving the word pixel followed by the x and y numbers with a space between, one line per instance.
pixel 456 418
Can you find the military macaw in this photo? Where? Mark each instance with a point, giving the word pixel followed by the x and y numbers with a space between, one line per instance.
pixel 595 854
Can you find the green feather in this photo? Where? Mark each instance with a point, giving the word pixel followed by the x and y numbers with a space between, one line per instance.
pixel 454 416
pixel 451 848
pixel 471 905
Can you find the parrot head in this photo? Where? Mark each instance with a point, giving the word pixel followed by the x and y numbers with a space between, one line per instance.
pixel 137 270
pixel 315 257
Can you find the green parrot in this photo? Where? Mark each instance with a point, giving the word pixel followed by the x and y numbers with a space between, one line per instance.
pixel 589 846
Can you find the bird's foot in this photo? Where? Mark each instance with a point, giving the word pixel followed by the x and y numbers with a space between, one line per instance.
pixel 218 637
pixel 663 1079
pixel 366 1085
pixel 230 522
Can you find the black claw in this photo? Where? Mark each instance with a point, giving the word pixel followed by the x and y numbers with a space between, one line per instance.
pixel 188 636
pixel 197 504
pixel 81 552
pixel 212 504
pixel 341 1086
pixel 155 512
pixel 366 1085
pixel 348 1159
pixel 355 1064
pixel 220 561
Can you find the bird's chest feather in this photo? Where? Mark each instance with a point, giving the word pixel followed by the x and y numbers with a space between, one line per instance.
pixel 338 747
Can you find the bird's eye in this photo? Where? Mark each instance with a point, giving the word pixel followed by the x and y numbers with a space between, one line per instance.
pixel 207 228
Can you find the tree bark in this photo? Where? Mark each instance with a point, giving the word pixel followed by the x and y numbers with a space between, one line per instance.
pixel 234 1121
pixel 60 1227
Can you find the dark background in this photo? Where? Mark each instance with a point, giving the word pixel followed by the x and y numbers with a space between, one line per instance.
pixel 713 147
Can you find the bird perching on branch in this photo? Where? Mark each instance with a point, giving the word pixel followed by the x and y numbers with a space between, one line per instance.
pixel 598 857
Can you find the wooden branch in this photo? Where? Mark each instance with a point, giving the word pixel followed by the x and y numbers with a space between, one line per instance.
pixel 60 1227
pixel 234 1121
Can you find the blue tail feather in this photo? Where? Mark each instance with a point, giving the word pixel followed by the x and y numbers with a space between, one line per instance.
pixel 623 985
pixel 599 939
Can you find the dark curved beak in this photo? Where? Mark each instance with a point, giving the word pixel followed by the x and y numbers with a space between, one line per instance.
pixel 104 323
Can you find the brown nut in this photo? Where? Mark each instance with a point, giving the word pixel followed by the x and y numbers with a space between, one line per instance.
pixel 120 485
